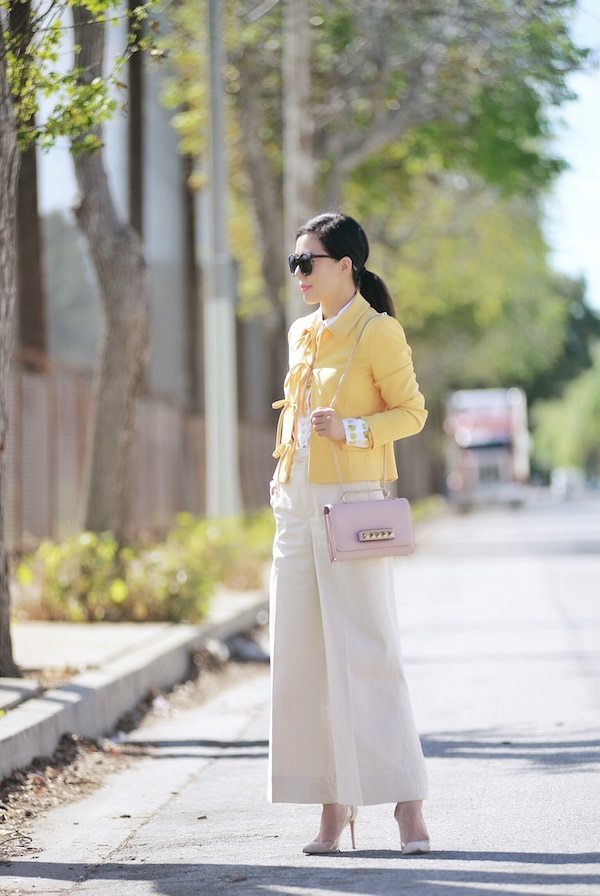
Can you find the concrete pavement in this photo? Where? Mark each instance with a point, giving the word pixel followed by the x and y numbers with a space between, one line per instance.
pixel 501 623
pixel 108 668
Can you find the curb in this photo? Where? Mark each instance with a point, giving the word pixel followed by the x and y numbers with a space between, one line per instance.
pixel 91 703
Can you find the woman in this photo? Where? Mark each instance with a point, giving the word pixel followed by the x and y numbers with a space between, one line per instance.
pixel 342 732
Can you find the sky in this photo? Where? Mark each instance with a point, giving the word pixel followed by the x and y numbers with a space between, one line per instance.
pixel 573 210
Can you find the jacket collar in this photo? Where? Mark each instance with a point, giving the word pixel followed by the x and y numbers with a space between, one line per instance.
pixel 342 327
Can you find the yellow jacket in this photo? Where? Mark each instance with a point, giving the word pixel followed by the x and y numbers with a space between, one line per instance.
pixel 380 387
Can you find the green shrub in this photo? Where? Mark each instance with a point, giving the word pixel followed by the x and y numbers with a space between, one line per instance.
pixel 89 578
pixel 234 549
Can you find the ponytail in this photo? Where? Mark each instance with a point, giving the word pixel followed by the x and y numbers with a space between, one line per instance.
pixel 341 235
pixel 374 290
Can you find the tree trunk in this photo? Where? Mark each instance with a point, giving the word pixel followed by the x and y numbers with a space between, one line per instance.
pixel 135 133
pixel 298 153
pixel 118 258
pixel 9 173
pixel 266 201
pixel 193 324
pixel 31 298
pixel 265 193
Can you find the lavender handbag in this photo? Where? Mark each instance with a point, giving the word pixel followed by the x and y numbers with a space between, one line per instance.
pixel 380 527
pixel 361 529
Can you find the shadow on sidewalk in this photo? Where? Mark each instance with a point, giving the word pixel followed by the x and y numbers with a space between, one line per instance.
pixel 555 755
pixel 424 876
pixel 200 749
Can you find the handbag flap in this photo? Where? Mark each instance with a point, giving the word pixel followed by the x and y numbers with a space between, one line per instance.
pixel 353 523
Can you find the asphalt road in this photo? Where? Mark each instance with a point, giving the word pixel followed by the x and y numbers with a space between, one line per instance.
pixel 501 618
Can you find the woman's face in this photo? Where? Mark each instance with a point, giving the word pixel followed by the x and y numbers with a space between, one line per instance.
pixel 328 278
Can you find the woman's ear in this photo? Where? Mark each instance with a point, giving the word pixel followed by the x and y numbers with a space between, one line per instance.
pixel 347 265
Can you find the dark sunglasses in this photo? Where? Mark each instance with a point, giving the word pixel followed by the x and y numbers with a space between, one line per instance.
pixel 304 262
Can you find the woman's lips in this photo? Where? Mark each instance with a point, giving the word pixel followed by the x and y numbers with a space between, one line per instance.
pixel 304 287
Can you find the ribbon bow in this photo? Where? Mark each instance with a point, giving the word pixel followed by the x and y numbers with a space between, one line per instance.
pixel 295 386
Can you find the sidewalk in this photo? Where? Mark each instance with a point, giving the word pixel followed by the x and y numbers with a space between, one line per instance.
pixel 500 622
pixel 110 667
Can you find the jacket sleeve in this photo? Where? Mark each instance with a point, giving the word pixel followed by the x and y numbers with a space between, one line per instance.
pixel 394 377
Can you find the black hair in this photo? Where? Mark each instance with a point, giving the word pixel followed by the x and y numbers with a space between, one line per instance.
pixel 343 236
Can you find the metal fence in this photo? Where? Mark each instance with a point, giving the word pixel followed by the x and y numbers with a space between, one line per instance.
pixel 49 417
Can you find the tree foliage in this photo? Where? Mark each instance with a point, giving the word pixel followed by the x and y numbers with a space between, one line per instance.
pixel 568 428
pixel 581 334
pixel 470 273
pixel 397 101
pixel 32 45
pixel 470 76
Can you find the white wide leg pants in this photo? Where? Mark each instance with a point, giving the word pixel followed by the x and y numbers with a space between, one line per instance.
pixel 342 729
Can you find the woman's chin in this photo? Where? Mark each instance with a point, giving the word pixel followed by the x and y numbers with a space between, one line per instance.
pixel 309 299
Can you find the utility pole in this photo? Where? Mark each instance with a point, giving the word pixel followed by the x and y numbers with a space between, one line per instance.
pixel 223 492
pixel 298 164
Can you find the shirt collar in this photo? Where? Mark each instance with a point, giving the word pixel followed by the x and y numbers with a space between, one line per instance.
pixel 331 320
pixel 342 325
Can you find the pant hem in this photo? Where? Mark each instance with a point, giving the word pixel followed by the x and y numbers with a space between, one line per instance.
pixel 315 790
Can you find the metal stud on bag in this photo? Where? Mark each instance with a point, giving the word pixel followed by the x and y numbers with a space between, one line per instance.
pixel 376 535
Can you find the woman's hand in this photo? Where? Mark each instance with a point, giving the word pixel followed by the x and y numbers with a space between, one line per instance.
pixel 325 422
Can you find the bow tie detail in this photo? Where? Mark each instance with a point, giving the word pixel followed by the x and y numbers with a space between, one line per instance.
pixel 295 386
pixel 307 341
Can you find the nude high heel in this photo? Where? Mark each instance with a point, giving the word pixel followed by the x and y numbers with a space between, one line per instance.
pixel 320 847
pixel 412 847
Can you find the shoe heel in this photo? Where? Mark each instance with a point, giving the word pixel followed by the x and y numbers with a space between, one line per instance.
pixel 351 820
pixel 352 835
pixel 319 847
